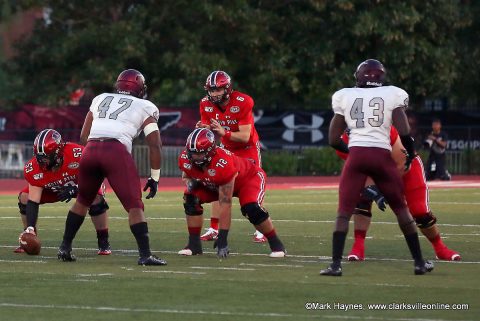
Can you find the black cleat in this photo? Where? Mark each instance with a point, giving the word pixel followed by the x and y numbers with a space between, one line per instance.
pixel 151 260
pixel 66 255
pixel 332 271
pixel 421 269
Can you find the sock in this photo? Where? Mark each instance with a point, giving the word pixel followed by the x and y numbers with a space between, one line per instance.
pixel 102 234
pixel 194 230
pixel 338 244
pixel 72 225
pixel 214 223
pixel 359 243
pixel 437 243
pixel 275 244
pixel 140 231
pixel 102 237
pixel 414 247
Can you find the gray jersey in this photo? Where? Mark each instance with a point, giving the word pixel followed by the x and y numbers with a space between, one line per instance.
pixel 120 116
pixel 368 113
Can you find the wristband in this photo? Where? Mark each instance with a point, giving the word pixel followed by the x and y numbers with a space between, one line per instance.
pixel 227 135
pixel 155 174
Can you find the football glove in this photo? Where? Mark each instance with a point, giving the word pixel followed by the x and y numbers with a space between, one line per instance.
pixel 409 160
pixel 372 192
pixel 153 186
pixel 67 192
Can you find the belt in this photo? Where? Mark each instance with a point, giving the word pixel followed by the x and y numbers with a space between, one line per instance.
pixel 102 139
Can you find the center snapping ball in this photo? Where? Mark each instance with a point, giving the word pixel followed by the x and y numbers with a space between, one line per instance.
pixel 30 243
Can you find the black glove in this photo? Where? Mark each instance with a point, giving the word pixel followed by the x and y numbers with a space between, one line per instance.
pixel 221 244
pixel 409 160
pixel 153 185
pixel 372 192
pixel 67 192
pixel 193 184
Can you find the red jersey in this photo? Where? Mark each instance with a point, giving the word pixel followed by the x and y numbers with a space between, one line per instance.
pixel 67 174
pixel 393 139
pixel 237 112
pixel 222 168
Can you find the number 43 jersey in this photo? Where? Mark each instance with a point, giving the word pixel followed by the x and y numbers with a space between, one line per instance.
pixel 368 113
pixel 66 174
pixel 120 116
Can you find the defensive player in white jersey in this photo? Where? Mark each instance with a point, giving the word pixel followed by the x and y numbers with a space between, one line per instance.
pixel 368 110
pixel 113 121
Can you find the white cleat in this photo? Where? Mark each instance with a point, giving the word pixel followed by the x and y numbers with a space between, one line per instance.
pixel 278 254
pixel 185 252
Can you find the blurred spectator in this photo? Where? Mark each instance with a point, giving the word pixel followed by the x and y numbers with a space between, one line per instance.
pixel 437 143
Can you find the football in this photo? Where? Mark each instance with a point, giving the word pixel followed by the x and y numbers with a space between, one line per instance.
pixel 30 243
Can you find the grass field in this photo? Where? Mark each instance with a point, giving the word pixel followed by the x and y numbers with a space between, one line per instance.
pixel 248 285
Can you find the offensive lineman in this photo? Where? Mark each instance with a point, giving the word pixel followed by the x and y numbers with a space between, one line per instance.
pixel 52 176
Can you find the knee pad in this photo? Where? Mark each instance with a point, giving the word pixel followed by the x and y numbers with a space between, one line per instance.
pixel 22 208
pixel 98 209
pixel 364 207
pixel 192 206
pixel 426 221
pixel 254 213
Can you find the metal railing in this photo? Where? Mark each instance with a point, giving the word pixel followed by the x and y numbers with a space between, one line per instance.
pixel 14 155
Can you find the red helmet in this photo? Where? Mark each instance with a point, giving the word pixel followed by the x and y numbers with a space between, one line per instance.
pixel 48 149
pixel 201 142
pixel 131 82
pixel 219 79
pixel 370 73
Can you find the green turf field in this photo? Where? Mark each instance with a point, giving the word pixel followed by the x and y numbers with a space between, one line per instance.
pixel 248 285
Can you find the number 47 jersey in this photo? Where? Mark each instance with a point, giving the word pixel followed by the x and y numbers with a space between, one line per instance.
pixel 368 113
pixel 120 116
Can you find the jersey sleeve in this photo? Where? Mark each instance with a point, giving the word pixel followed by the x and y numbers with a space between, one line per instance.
pixel 151 111
pixel 337 103
pixel 402 98
pixel 203 114
pixel 32 173
pixel 246 118
pixel 226 172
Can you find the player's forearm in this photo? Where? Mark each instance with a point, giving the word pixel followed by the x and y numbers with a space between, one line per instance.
pixel 155 156
pixel 239 137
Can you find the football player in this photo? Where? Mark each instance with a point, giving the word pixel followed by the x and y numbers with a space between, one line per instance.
pixel 52 176
pixel 369 110
pixel 110 126
pixel 228 113
pixel 213 174
pixel 416 195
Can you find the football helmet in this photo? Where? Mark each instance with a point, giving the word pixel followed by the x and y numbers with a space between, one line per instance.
pixel 370 73
pixel 201 146
pixel 48 149
pixel 131 82
pixel 216 80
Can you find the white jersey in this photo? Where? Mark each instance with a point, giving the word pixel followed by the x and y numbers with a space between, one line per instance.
pixel 368 113
pixel 120 116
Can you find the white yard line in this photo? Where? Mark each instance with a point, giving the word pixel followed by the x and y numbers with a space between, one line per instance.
pixel 297 316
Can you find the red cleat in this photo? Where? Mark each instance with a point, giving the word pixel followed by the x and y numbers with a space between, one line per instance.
pixel 356 255
pixel 446 254
pixel 259 237
pixel 210 235
pixel 19 250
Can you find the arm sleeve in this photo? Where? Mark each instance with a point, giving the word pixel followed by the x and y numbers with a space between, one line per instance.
pixel 336 103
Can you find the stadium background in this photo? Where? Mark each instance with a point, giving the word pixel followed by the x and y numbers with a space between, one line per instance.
pixel 290 56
